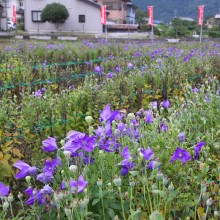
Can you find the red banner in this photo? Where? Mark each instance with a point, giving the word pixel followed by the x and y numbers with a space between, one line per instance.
pixel 150 15
pixel 200 14
pixel 14 14
pixel 103 14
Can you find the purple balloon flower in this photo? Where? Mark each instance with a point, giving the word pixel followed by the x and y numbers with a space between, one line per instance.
pixel 25 170
pixel 147 153
pixel 34 196
pixel 46 190
pixel 197 149
pixel 165 104
pixel 109 75
pixel 3 190
pixel 130 65
pixel 195 90
pixel 38 93
pixel 163 127
pixel 108 115
pixel 49 144
pixel 154 105
pixel 97 69
pixel 180 154
pixel 126 163
pixel 43 90
pixel 78 185
pixel 181 137
pixel 117 68
pixel 148 117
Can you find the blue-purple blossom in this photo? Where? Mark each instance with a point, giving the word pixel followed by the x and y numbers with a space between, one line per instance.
pixel 197 149
pixel 110 75
pixel 97 69
pixel 34 195
pixel 3 190
pixel 154 164
pixel 43 90
pixel 79 185
pixel 46 190
pixel 117 68
pixel 38 93
pixel 127 163
pixel 70 87
pixel 108 115
pixel 49 144
pixel 154 105
pixel 165 104
pixel 180 154
pixel 130 65
pixel 48 169
pixel 195 90
pixel 79 141
pixel 147 153
pixel 25 170
pixel 148 116
pixel 163 127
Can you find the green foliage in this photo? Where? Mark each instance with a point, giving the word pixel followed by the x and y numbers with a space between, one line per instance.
pixel 55 13
pixel 141 17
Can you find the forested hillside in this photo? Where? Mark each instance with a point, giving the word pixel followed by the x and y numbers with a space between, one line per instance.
pixel 166 9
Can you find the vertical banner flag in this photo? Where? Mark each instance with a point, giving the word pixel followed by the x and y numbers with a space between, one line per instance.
pixel 103 14
pixel 14 14
pixel 150 15
pixel 200 14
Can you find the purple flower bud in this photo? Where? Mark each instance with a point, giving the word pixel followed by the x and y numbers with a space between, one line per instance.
pixel 32 171
pixel 130 65
pixel 110 75
pixel 97 69
pixel 195 90
pixel 181 137
pixel 165 104
pixel 43 90
pixel 70 87
pixel 117 68
pixel 47 190
pixel 37 93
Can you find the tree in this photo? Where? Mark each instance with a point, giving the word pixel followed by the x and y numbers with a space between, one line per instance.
pixel 141 17
pixel 54 13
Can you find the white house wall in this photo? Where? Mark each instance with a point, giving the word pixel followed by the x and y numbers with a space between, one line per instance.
pixel 75 8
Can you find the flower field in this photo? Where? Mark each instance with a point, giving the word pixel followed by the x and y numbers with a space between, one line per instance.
pixel 105 130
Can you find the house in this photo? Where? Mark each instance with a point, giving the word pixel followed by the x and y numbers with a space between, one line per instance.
pixel 120 14
pixel 84 17
pixel 213 22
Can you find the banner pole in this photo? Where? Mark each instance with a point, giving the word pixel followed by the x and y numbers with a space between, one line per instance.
pixel 200 37
pixel 106 36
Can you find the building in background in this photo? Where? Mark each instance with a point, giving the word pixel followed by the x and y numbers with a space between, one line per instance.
pixel 84 17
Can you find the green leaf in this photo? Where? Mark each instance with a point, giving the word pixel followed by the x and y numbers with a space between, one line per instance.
pixel 134 173
pixel 111 213
pixel 156 215
pixel 134 213
pixel 161 193
pixel 95 201
pixel 115 206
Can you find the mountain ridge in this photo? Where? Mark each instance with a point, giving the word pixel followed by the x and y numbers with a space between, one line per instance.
pixel 165 10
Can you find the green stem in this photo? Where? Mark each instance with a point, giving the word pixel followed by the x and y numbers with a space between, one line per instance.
pixel 12 214
pixel 206 213
pixel 103 211
pixel 131 196
pixel 122 203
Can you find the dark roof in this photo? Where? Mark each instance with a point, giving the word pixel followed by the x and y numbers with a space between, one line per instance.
pixel 91 3
pixel 20 11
